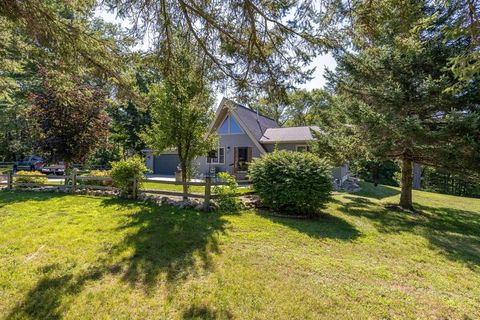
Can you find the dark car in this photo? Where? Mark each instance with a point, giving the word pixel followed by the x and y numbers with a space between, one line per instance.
pixel 30 163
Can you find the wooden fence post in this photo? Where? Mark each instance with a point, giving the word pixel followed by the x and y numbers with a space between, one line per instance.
pixel 9 180
pixel 135 188
pixel 206 203
pixel 74 180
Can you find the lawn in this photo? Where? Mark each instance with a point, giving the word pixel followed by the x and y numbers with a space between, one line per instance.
pixel 81 257
pixel 179 188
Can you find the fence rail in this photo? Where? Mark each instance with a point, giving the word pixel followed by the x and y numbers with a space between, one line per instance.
pixel 75 181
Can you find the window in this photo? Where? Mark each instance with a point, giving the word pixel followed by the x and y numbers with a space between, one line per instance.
pixel 234 127
pixel 224 127
pixel 216 156
pixel 230 126
pixel 303 148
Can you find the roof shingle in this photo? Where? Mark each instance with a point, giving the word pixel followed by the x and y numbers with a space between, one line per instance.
pixel 291 134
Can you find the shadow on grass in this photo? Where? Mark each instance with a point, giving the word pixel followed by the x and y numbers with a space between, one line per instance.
pixel 453 232
pixel 162 245
pixel 9 197
pixel 324 226
pixel 47 299
pixel 202 312
pixel 167 242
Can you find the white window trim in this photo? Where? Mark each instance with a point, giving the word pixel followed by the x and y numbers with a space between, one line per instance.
pixel 218 156
pixel 301 145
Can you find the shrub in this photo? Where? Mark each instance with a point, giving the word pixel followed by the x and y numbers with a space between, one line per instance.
pixel 124 171
pixel 225 193
pixel 295 182
pixel 98 173
pixel 39 177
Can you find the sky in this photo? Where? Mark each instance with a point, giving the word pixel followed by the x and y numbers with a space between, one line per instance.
pixel 320 63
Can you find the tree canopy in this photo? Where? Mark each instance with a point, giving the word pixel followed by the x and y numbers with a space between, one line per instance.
pixel 397 81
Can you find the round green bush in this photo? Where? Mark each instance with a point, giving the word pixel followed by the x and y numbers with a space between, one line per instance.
pixel 124 171
pixel 299 183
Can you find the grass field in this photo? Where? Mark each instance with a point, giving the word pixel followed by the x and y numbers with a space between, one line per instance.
pixel 80 257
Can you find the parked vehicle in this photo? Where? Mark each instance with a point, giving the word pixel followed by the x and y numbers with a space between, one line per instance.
pixel 30 163
pixel 56 169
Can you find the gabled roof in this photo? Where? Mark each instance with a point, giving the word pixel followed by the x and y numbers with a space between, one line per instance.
pixel 257 124
pixel 261 129
pixel 289 135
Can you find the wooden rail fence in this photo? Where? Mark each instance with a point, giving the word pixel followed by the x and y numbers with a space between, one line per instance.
pixel 75 181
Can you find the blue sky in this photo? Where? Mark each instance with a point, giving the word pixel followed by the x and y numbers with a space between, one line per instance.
pixel 320 63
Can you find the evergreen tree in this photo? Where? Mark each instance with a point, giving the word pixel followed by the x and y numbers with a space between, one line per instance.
pixel 395 81
pixel 127 124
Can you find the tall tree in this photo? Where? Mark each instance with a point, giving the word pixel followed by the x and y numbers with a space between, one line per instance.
pixel 71 117
pixel 307 107
pixel 395 81
pixel 128 122
pixel 181 109
pixel 17 76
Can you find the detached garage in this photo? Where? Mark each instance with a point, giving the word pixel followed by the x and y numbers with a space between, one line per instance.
pixel 164 164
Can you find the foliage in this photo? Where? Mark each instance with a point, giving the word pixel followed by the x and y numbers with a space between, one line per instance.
pixel 18 76
pixel 339 140
pixel 257 45
pixel 464 25
pixel 39 177
pixel 443 181
pixel 71 117
pixel 395 88
pixel 226 193
pixel 181 110
pixel 299 107
pixel 124 171
pixel 127 124
pixel 65 34
pixel 98 173
pixel 381 172
pixel 307 108
pixel 299 183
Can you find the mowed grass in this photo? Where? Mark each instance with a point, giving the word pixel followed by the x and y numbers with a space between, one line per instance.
pixel 179 188
pixel 80 257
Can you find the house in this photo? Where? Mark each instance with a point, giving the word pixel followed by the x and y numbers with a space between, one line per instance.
pixel 244 134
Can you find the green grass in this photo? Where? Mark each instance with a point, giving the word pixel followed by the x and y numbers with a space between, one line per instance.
pixel 80 257
pixel 179 188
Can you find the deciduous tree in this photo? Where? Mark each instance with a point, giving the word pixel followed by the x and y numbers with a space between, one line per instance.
pixel 181 109
pixel 71 117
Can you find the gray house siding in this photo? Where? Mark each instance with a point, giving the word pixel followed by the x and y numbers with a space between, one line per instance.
pixel 282 146
pixel 229 142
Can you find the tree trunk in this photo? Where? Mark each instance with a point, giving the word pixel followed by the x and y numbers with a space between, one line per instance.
pixel 407 184
pixel 184 180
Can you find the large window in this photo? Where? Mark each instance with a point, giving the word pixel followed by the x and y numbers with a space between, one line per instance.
pixel 216 156
pixel 230 126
